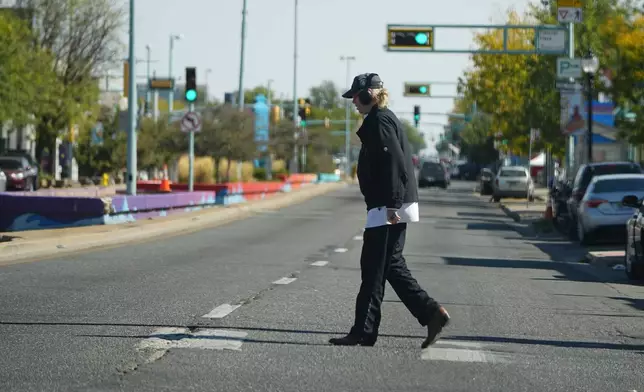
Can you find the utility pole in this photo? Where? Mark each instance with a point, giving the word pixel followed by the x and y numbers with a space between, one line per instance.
pixel 296 107
pixel 240 88
pixel 131 107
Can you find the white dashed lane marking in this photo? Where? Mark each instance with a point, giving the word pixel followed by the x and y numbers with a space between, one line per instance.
pixel 320 263
pixel 340 250
pixel 358 238
pixel 221 311
pixel 164 339
pixel 457 351
pixel 284 281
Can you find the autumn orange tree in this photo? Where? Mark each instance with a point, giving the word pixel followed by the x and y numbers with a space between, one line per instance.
pixel 517 91
pixel 624 65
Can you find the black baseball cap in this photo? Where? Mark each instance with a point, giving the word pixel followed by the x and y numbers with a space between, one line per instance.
pixel 360 83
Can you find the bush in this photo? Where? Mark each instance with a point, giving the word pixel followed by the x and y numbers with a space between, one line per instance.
pixel 204 170
pixel 259 173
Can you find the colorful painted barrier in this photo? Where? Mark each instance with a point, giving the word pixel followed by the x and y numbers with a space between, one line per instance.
pixel 33 212
pixel 328 177
pixel 18 213
pixel 49 212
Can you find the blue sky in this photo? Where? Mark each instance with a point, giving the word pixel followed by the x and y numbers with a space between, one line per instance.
pixel 328 29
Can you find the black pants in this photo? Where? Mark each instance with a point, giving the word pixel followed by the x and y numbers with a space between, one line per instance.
pixel 382 261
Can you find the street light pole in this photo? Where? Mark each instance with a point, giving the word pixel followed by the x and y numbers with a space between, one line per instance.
pixel 240 88
pixel 296 106
pixel 173 37
pixel 347 120
pixel 589 135
pixel 207 94
pixel 131 107
pixel 269 158
pixel 147 73
pixel 590 66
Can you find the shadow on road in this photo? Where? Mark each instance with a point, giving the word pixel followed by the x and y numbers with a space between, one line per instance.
pixel 567 271
pixel 552 343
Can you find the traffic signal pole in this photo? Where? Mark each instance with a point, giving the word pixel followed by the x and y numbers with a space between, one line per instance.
pixel 191 154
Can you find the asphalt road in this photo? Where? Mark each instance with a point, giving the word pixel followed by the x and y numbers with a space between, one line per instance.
pixel 132 318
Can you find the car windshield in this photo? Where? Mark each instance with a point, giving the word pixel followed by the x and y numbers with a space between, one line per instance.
pixel 602 170
pixel 432 167
pixel 10 164
pixel 620 185
pixel 513 173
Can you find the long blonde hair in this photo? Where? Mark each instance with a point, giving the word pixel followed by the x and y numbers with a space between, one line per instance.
pixel 381 97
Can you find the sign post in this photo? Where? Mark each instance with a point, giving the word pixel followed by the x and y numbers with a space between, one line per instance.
pixel 534 136
pixel 191 123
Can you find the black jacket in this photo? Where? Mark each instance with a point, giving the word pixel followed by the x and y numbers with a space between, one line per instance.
pixel 385 168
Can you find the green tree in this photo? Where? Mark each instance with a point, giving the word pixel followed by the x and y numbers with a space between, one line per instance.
pixel 326 96
pixel 477 140
pixel 416 140
pixel 83 37
pixel 27 80
pixel 108 157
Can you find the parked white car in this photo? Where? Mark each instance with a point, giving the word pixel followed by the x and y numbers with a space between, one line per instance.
pixel 513 181
pixel 601 207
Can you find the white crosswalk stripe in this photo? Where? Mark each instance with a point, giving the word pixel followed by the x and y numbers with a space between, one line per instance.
pixel 461 351
pixel 164 339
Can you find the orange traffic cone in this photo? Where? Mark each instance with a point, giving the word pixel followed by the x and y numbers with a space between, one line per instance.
pixel 548 214
pixel 165 183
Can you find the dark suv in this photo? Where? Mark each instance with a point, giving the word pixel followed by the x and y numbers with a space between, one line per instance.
pixel 433 174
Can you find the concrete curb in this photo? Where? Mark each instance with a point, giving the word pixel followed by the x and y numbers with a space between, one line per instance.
pixel 604 261
pixel 515 216
pixel 14 252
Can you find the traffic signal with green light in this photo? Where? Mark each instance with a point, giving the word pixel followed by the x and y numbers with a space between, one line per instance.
pixel 416 115
pixel 417 90
pixel 414 38
pixel 191 84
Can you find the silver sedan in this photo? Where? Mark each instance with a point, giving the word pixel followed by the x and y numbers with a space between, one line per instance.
pixel 601 208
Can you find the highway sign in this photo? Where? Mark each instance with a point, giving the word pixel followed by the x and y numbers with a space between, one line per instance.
pixel 191 122
pixel 568 68
pixel 569 15
pixel 161 84
pixel 551 41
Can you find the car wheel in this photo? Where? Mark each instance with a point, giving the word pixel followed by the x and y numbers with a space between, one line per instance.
pixel 496 198
pixel 582 235
pixel 634 271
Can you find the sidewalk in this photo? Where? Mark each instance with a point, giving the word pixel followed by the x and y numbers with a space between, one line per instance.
pixel 608 262
pixel 29 245
pixel 80 191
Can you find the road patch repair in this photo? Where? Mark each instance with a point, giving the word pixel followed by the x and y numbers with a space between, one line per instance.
pixel 31 245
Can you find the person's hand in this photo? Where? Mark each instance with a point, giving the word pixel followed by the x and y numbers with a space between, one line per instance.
pixel 392 216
